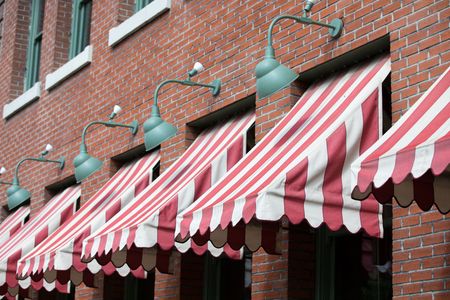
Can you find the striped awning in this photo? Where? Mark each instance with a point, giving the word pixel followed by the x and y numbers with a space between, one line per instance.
pixel 411 161
pixel 130 237
pixel 13 223
pixel 58 257
pixel 59 209
pixel 299 170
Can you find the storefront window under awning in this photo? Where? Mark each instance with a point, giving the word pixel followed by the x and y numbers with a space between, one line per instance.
pixel 299 170
pixel 13 223
pixel 410 162
pixel 58 210
pixel 143 234
pixel 58 258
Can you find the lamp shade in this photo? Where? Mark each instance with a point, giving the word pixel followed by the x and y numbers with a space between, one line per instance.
pixel 16 196
pixel 271 76
pixel 85 165
pixel 156 130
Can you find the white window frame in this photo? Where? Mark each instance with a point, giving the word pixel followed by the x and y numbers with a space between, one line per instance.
pixel 138 20
pixel 32 94
pixel 68 69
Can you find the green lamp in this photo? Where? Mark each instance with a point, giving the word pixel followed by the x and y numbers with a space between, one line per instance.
pixel 85 164
pixel 18 195
pixel 156 130
pixel 271 76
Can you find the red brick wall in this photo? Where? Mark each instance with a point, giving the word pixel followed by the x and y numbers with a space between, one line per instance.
pixel 228 37
pixel 421 250
pixel 56 40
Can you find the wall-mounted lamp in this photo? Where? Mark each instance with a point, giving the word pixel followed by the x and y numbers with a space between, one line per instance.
pixel 2 171
pixel 156 130
pixel 18 195
pixel 271 76
pixel 85 164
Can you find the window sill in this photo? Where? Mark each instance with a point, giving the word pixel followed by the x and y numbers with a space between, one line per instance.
pixel 69 68
pixel 23 100
pixel 139 19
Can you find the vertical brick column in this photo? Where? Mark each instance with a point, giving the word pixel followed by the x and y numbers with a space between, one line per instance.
pixel 270 272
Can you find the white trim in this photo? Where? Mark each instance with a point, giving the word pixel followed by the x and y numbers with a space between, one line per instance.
pixel 380 110
pixel 17 104
pixel 136 21
pixel 72 66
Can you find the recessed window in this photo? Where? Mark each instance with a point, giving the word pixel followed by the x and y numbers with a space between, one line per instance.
pixel 80 29
pixel 34 43
pixel 225 278
pixel 128 288
pixel 140 4
pixel 55 295
pixel 354 266
pixel 145 11
pixel 79 49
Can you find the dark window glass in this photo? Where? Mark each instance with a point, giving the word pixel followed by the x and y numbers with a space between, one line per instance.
pixel 354 266
pixel 116 287
pixel 226 278
pixel 140 4
pixel 34 43
pixel 81 26
pixel 55 295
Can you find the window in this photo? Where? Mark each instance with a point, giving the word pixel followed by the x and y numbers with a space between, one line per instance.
pixel 354 266
pixel 2 8
pixel 145 11
pixel 116 287
pixel 80 29
pixel 140 4
pixel 225 278
pixel 55 295
pixel 136 289
pixel 34 43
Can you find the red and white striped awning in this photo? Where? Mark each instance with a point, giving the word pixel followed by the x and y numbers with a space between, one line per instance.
pixel 13 223
pixel 300 169
pixel 58 257
pixel 131 236
pixel 411 161
pixel 60 208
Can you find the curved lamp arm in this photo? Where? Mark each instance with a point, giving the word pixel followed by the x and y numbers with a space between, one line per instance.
pixel 215 86
pixel 2 182
pixel 133 126
pixel 335 26
pixel 60 161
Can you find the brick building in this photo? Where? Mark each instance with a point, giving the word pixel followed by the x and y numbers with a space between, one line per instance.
pixel 67 63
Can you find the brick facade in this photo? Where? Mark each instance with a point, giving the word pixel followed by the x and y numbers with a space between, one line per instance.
pixel 228 37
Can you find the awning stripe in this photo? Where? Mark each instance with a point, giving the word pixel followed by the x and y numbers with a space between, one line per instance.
pixel 300 169
pixel 61 251
pixel 410 153
pixel 54 213
pixel 13 223
pixel 208 146
pixel 150 218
